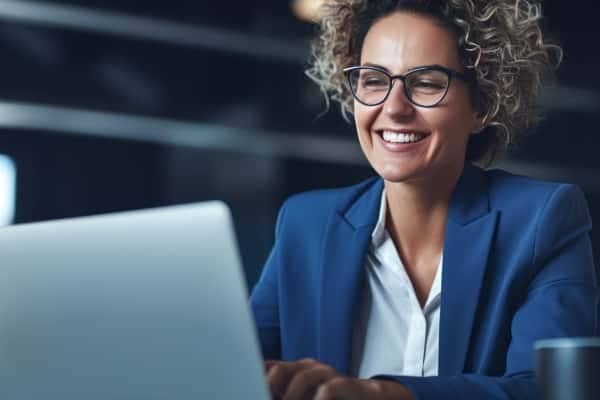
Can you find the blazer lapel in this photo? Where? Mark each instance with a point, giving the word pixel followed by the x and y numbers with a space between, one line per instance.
pixel 469 234
pixel 345 247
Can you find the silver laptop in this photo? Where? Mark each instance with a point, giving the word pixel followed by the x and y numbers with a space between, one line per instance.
pixel 131 306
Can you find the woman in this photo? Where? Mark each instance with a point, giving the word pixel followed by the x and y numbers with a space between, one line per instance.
pixel 434 279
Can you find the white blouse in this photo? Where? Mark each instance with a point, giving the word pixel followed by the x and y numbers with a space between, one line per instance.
pixel 393 335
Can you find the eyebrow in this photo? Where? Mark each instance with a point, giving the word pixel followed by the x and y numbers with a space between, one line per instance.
pixel 407 71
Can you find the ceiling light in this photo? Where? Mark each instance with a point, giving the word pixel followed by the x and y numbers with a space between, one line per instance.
pixel 307 10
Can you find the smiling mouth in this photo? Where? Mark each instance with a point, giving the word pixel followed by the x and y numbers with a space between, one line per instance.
pixel 407 137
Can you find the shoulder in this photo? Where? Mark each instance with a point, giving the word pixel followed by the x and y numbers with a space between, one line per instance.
pixel 319 204
pixel 551 213
pixel 509 191
pixel 312 211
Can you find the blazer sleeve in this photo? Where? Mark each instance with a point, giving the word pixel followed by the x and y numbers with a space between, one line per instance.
pixel 561 300
pixel 264 300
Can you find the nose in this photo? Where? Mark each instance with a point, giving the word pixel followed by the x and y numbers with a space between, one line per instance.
pixel 397 104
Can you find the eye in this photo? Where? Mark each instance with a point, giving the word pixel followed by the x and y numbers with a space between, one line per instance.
pixel 427 81
pixel 429 84
pixel 373 80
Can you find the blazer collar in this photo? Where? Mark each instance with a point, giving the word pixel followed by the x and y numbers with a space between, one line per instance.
pixel 470 198
pixel 362 208
pixel 345 247
pixel 470 232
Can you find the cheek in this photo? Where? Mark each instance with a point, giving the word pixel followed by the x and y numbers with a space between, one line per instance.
pixel 364 118
pixel 452 124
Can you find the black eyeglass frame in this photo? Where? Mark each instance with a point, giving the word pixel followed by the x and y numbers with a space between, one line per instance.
pixel 449 72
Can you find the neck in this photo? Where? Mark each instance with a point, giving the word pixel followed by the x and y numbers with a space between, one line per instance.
pixel 417 213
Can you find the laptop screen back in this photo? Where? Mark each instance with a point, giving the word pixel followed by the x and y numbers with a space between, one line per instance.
pixel 139 305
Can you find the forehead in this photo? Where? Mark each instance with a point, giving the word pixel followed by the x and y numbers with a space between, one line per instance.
pixel 404 40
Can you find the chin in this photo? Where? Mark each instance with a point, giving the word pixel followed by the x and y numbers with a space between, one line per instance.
pixel 397 175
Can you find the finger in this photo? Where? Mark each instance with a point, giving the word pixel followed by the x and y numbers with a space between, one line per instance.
pixel 342 388
pixel 278 377
pixel 268 364
pixel 306 381
pixel 281 372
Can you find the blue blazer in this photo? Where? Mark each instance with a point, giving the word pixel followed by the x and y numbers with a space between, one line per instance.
pixel 518 267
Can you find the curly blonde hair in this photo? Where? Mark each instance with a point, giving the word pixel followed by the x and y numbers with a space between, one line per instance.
pixel 500 44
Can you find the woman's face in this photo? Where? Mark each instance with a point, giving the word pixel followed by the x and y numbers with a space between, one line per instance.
pixel 398 43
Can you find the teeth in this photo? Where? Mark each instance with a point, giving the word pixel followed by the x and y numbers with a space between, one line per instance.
pixel 394 137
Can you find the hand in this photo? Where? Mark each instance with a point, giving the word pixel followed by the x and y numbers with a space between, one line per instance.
pixel 309 379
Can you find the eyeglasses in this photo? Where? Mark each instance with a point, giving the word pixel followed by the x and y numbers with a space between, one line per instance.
pixel 424 86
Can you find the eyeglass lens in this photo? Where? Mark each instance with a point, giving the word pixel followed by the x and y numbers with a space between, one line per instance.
pixel 423 87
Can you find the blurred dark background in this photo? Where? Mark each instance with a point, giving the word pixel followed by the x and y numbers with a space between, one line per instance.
pixel 109 106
